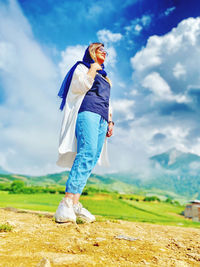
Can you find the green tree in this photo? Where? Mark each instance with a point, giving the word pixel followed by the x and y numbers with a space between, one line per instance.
pixel 17 187
pixel 152 198
pixel 169 200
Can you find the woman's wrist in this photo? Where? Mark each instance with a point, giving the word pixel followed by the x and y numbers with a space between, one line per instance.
pixel 92 73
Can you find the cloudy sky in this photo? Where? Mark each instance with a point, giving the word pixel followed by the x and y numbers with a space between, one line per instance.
pixel 153 62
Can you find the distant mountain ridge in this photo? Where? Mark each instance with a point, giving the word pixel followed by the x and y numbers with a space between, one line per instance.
pixel 174 159
pixel 2 171
pixel 186 177
pixel 59 179
pixel 178 172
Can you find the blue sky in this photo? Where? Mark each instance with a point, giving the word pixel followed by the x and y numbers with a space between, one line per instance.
pixel 153 63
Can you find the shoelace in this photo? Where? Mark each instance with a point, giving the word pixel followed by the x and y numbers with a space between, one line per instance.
pixel 67 202
pixel 78 206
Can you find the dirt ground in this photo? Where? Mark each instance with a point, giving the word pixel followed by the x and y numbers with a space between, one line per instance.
pixel 36 240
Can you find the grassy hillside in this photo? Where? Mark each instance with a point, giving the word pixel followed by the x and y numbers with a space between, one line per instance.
pixel 122 183
pixel 97 181
pixel 109 205
pixel 183 184
pixel 178 176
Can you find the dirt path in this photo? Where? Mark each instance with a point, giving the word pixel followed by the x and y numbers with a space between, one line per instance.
pixel 36 240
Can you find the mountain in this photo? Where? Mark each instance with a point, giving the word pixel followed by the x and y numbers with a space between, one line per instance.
pixel 180 173
pixel 2 171
pixel 175 159
pixel 172 171
pixel 59 179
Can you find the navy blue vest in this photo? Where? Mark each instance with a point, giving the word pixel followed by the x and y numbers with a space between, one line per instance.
pixel 97 98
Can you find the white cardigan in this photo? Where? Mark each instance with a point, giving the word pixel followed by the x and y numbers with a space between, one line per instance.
pixel 80 84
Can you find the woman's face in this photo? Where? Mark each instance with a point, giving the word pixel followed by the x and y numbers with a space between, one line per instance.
pixel 101 55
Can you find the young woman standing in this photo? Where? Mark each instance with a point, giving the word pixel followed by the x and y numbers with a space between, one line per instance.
pixel 87 122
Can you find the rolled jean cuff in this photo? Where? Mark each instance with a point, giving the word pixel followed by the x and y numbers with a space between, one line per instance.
pixel 68 190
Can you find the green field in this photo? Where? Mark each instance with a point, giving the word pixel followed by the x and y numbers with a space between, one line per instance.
pixel 106 205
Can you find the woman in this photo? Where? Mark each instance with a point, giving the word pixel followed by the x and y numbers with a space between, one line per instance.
pixel 87 121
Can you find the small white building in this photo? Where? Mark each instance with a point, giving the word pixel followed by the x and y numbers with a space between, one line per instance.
pixel 192 210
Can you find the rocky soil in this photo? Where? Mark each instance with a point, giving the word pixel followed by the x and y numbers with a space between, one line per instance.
pixel 36 240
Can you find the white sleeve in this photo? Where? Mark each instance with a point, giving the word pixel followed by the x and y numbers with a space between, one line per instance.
pixel 81 81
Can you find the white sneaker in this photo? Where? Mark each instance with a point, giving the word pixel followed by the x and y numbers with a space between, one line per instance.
pixel 83 213
pixel 65 211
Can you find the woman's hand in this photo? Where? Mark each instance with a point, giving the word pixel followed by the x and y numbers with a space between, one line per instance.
pixel 110 129
pixel 94 67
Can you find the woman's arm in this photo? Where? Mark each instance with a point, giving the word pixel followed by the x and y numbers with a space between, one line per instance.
pixel 83 78
pixel 81 81
pixel 93 69
pixel 110 123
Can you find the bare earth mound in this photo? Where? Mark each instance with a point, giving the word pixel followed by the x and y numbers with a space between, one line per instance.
pixel 36 240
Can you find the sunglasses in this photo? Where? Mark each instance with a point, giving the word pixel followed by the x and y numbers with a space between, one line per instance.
pixel 102 50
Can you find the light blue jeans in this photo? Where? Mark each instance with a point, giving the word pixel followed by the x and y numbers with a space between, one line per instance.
pixel 91 129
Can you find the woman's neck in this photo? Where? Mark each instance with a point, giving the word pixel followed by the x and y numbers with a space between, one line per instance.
pixel 100 62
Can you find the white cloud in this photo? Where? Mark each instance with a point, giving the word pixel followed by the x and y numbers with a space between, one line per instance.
pixel 106 36
pixel 29 109
pixel 142 131
pixel 157 85
pixel 179 70
pixel 138 24
pixel 7 52
pixel 174 57
pixel 176 132
pixel 122 105
pixel 161 89
pixel 146 20
pixel 133 92
pixel 70 56
pixel 148 57
pixel 123 109
pixel 165 71
pixel 138 28
pixel 112 56
pixel 122 84
pixel 169 10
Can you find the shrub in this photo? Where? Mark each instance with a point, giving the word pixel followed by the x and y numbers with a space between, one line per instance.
pixel 5 227
pixel 29 190
pixel 4 187
pixel 176 203
pixel 17 187
pixel 52 191
pixel 169 200
pixel 152 198
pixel 80 221
pixel 61 191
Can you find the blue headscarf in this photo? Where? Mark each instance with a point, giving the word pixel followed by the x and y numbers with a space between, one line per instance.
pixel 87 60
